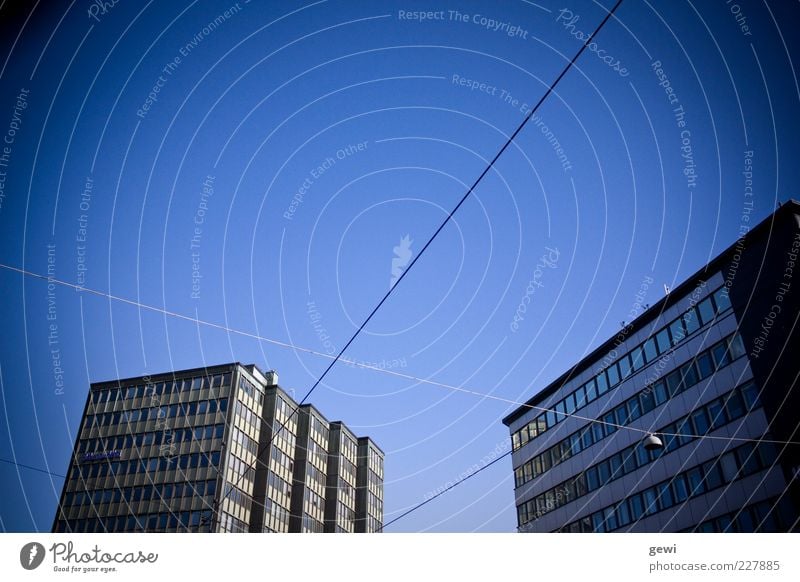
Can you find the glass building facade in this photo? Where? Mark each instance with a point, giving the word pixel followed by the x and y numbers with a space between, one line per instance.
pixel 697 369
pixel 217 449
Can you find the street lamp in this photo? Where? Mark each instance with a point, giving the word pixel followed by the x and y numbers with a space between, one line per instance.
pixel 653 443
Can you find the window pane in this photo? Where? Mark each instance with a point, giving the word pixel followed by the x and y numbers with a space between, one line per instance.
pixel 611 518
pixel 602 383
pixel 705 367
pixel 580 397
pixel 713 476
pixel 734 405
pixel 637 508
pixel 591 390
pixel 736 347
pixel 648 401
pixel 679 490
pixel 716 413
pixel 592 481
pixel 706 310
pixel 624 366
pixel 660 393
pixel 550 418
pixel 613 375
pixel 720 353
pixel 610 422
pixel 722 299
pixel 650 352
pixel 750 395
pixel 621 414
pixel 674 382
pixel 676 330
pixel 700 421
pixel 689 374
pixel 691 320
pixel 695 481
pixel 665 496
pixel 560 410
pixel 663 341
pixel 569 404
pixel 634 410
pixel 637 358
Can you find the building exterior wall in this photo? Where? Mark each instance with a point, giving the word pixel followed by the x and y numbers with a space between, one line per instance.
pixel 221 448
pixel 692 365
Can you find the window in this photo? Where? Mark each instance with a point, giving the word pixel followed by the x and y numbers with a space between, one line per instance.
pixel 616 466
pixel 569 403
pixel 634 410
pixel 609 421
pixel 648 401
pixel 722 299
pixel 663 341
pixel 580 397
pixel 592 480
pixel 637 358
pixel 750 395
pixel 716 413
pixel 736 347
pixel 691 320
pixel 665 498
pixel 625 369
pixel 734 405
pixel 705 367
pixel 706 310
pixel 674 383
pixel 727 463
pixel 560 410
pixel 650 352
pixel 591 390
pixel 694 478
pixel 602 383
pixel 679 489
pixel 550 418
pixel 597 431
pixel 689 374
pixel 613 375
pixel 604 473
pixel 597 522
pixel 676 330
pixel 636 507
pixel 650 501
pixel 700 421
pixel 610 518
pixel 660 393
pixel 621 413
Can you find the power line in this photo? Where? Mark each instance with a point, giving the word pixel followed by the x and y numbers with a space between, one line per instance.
pixel 24 466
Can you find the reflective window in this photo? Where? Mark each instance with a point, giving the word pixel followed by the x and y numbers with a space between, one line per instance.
pixel 700 421
pixel 706 310
pixel 637 358
pixel 691 321
pixel 602 383
pixel 722 299
pixel 591 390
pixel 650 352
pixel 625 367
pixel 613 375
pixel 676 330
pixel 663 341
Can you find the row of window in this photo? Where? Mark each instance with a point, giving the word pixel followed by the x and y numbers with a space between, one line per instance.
pixel 149 465
pixel 236 495
pixel 715 414
pixel 278 485
pixel 241 470
pixel 160 388
pixel 159 437
pixel 256 393
pixel 276 517
pixel 733 465
pixel 646 353
pixel 154 413
pixel 245 441
pixel 375 462
pixel 764 516
pixel 163 491
pixel 228 523
pixel 281 461
pixel 704 365
pixel 318 430
pixel 248 415
pixel 179 521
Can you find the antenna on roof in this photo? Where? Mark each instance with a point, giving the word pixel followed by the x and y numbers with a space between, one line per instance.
pixel 666 289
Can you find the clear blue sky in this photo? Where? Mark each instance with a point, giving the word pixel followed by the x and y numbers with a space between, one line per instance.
pixel 272 100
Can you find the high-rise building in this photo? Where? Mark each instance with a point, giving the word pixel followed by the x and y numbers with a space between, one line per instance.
pixel 221 449
pixel 711 369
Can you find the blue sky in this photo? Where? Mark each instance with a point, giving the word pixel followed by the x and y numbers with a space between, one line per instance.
pixel 326 132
